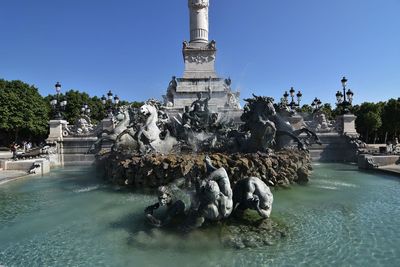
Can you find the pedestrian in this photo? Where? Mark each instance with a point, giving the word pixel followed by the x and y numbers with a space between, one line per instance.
pixel 13 148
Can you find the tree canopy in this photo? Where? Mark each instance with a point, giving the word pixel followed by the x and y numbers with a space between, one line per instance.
pixel 23 112
pixel 75 101
pixel 391 118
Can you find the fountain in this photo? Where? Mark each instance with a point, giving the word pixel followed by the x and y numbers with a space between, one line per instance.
pixel 221 168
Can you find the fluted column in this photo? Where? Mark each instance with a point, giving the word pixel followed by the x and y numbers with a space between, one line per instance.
pixel 198 20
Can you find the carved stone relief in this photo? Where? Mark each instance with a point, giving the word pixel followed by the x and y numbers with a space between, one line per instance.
pixel 199 59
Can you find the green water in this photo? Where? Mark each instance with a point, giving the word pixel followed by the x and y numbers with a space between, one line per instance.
pixel 70 218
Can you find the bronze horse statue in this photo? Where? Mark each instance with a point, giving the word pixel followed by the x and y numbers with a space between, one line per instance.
pixel 264 129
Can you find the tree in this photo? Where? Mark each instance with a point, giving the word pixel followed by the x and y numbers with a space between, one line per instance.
pixel 23 112
pixel 327 110
pixel 391 118
pixel 368 119
pixel 136 104
pixel 372 122
pixel 75 101
pixel 306 109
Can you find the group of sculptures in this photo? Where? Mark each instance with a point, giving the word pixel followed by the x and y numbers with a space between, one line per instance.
pixel 212 199
pixel 149 129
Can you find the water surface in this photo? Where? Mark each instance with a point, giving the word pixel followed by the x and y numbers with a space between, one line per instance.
pixel 71 218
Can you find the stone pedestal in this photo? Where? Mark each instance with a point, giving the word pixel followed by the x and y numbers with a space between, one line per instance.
pixel 107 124
pixel 346 125
pixel 199 76
pixel 296 121
pixel 199 61
pixel 56 130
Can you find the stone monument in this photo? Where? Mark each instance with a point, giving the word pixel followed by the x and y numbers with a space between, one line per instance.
pixel 199 77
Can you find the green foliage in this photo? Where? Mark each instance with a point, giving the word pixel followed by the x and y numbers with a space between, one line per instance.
pixel 368 119
pixel 136 104
pixel 75 101
pixel 327 110
pixel 23 112
pixel 306 109
pixel 391 118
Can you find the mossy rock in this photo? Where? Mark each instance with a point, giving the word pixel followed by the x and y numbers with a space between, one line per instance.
pixel 251 231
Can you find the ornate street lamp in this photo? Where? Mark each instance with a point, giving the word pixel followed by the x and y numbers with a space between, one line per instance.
pixel 58 105
pixel 344 99
pixel 103 100
pixel 316 104
pixel 110 96
pixel 339 97
pixel 293 105
pixel 350 95
pixel 292 91
pixel 299 96
pixel 116 100
pixel 85 109
pixel 58 88
pixel 109 104
pixel 285 98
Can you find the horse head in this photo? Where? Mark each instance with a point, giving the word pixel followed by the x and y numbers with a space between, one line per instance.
pixel 261 106
pixel 148 110
pixel 122 114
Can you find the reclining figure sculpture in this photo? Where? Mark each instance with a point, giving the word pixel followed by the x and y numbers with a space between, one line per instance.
pixel 213 200
pixel 252 193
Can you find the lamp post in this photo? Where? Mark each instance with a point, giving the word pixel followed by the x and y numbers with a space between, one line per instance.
pixel 285 98
pixel 293 105
pixel 341 97
pixel 316 104
pixel 292 91
pixel 85 109
pixel 58 105
pixel 109 104
pixel 299 96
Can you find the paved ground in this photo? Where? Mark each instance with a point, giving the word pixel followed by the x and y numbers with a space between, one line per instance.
pixel 6 176
pixel 391 169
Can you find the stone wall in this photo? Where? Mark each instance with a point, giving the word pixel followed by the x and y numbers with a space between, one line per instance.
pixel 279 169
pixel 379 160
pixel 26 165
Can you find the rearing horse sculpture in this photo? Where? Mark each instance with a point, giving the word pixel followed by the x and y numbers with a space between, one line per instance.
pixel 115 134
pixel 267 128
pixel 286 132
pixel 150 129
pixel 149 133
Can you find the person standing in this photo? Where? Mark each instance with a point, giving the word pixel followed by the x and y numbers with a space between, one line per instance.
pixel 14 148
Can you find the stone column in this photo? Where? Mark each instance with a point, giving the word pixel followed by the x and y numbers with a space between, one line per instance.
pixel 198 21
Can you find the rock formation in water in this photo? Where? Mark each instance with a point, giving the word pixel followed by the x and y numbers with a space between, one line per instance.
pixel 281 168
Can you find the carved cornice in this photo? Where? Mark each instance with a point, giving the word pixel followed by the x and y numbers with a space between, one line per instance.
pixel 198 4
pixel 211 46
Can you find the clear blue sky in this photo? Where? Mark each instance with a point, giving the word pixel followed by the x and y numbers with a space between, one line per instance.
pixel 134 46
